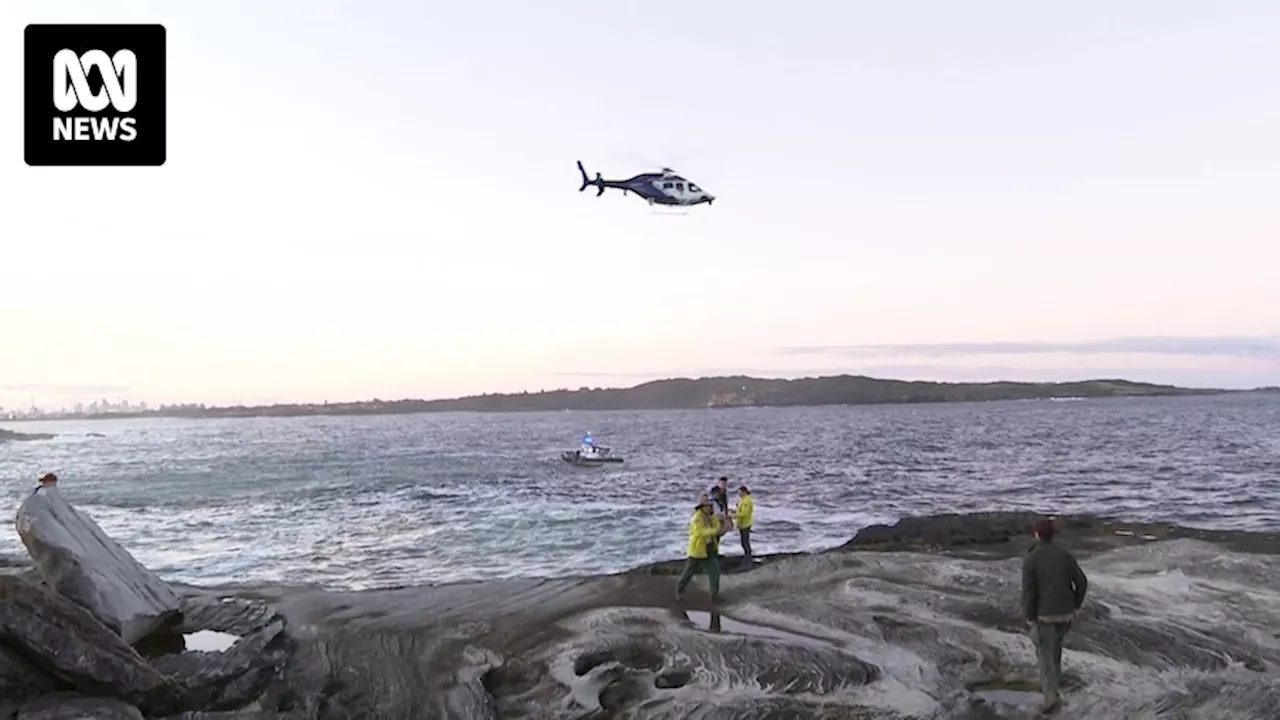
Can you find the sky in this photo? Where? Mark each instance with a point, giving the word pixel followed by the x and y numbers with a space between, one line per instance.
pixel 378 198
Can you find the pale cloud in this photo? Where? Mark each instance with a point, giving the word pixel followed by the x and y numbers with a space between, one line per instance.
pixel 1262 346
pixel 63 389
pixel 1230 362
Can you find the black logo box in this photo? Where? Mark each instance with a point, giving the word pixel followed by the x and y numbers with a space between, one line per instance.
pixel 42 42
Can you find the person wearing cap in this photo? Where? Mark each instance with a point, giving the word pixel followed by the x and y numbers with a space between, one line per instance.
pixel 742 518
pixel 713 546
pixel 705 530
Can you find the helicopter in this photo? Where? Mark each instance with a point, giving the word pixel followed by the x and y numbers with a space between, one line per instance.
pixel 660 188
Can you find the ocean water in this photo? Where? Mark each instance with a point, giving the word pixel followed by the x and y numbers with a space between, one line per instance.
pixel 377 501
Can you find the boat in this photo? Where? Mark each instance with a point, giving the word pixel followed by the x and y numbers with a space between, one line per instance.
pixel 598 456
pixel 590 454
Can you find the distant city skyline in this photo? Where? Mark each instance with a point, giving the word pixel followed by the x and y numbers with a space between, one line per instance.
pixel 380 199
pixel 95 407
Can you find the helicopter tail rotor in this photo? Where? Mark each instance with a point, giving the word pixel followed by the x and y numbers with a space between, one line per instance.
pixel 586 181
pixel 598 182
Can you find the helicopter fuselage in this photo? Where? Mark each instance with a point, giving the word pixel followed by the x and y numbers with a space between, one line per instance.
pixel 660 188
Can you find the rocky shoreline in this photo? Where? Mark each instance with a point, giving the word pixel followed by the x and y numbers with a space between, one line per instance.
pixel 11 436
pixel 914 620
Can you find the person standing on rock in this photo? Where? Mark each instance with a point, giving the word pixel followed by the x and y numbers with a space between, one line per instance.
pixel 1053 589
pixel 705 530
pixel 720 493
pixel 713 546
pixel 742 518
pixel 720 496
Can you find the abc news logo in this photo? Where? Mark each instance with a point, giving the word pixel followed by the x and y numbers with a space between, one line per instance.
pixel 71 89
pixel 108 101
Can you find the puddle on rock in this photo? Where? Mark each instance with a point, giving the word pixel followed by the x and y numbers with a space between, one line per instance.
pixel 718 623
pixel 210 640
pixel 1015 698
pixel 1015 692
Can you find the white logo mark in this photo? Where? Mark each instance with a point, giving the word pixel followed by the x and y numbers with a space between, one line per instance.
pixel 119 80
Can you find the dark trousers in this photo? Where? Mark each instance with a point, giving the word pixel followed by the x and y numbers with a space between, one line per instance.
pixel 1048 639
pixel 709 565
pixel 745 535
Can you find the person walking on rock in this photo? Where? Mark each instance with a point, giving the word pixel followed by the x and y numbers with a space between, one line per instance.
pixel 1053 589
pixel 705 530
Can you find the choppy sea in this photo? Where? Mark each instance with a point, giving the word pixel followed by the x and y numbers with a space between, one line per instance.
pixel 376 501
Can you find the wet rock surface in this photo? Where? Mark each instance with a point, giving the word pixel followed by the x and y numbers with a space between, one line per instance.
pixel 75 557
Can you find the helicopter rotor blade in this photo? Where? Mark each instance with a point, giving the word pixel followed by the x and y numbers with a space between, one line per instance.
pixel 648 163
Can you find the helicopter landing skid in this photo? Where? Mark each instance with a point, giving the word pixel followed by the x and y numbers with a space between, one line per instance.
pixel 655 209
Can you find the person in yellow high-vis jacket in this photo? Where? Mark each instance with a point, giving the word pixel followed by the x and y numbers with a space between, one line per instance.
pixel 742 518
pixel 705 530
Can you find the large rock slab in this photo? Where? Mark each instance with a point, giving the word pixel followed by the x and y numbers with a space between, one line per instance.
pixel 79 560
pixel 68 645
pixel 947 531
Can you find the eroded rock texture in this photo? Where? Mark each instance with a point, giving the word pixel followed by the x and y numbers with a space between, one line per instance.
pixel 1178 629
pixel 1174 629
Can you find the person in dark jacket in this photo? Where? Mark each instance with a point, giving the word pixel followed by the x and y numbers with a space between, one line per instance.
pixel 719 494
pixel 1053 589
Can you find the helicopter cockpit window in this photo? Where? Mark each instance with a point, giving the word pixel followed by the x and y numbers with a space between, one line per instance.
pixel 680 187
pixel 694 188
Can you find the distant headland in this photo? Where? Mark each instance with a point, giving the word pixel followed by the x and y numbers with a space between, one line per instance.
pixel 687 393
